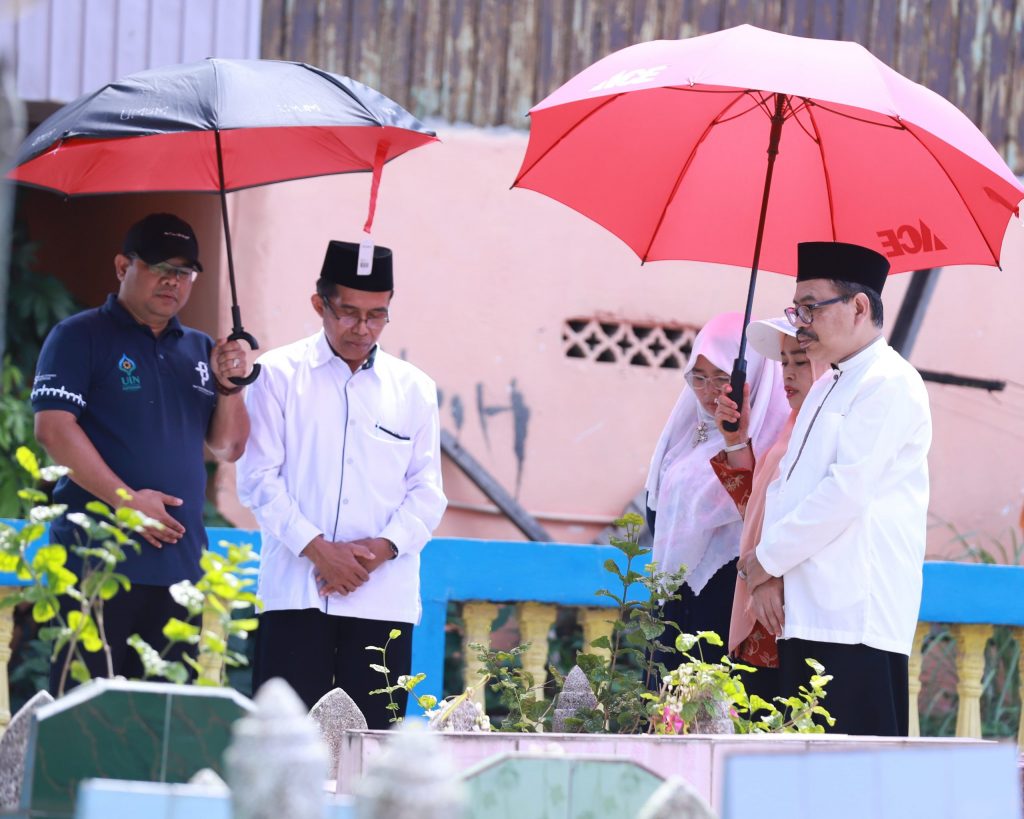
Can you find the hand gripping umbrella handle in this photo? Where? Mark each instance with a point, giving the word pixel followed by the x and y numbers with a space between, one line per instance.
pixel 738 379
pixel 241 335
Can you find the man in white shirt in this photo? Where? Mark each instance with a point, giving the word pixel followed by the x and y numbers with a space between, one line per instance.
pixel 342 470
pixel 845 520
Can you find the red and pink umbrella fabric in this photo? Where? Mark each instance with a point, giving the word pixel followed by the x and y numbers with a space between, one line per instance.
pixel 664 144
pixel 732 147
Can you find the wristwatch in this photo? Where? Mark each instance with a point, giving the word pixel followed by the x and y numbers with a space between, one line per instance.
pixel 394 549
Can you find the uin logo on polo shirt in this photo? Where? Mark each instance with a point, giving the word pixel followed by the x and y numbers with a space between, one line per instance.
pixel 130 382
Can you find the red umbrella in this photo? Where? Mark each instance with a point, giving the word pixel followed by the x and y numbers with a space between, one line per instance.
pixel 678 147
pixel 218 126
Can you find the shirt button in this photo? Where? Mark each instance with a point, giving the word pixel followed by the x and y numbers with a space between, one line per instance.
pixel 351 423
pixel 348 461
pixel 161 356
pixel 344 501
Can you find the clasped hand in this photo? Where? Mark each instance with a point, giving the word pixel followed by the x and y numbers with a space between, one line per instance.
pixel 766 593
pixel 341 567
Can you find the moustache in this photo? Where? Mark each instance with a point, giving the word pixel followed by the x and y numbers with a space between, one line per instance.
pixel 806 334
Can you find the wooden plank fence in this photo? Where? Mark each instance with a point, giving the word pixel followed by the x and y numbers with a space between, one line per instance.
pixel 487 61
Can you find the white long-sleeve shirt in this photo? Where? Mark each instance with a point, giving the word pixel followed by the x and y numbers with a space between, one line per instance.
pixel 845 521
pixel 344 455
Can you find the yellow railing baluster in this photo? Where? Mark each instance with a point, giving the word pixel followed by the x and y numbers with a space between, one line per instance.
pixel 6 635
pixel 1018 635
pixel 212 664
pixel 535 621
pixel 478 618
pixel 971 639
pixel 914 678
pixel 596 623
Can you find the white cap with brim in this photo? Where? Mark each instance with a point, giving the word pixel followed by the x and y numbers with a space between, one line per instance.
pixel 763 335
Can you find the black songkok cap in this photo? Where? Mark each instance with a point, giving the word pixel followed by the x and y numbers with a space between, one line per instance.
pixel 162 236
pixel 341 266
pixel 843 262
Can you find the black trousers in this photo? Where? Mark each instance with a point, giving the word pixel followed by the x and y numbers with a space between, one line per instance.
pixel 316 652
pixel 711 610
pixel 868 693
pixel 765 682
pixel 143 610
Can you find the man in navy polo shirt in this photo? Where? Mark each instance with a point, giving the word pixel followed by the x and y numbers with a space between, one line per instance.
pixel 125 396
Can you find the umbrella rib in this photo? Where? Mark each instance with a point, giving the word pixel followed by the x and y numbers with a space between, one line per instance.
pixel 686 169
pixel 995 256
pixel 755 106
pixel 566 133
pixel 348 91
pixel 824 169
pixel 794 115
pixel 899 126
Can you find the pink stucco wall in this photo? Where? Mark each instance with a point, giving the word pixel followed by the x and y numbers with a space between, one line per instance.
pixel 485 278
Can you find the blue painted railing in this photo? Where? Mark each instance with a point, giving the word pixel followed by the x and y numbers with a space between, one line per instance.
pixel 458 569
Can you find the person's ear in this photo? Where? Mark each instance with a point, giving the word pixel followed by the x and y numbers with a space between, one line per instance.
pixel 121 265
pixel 318 304
pixel 861 308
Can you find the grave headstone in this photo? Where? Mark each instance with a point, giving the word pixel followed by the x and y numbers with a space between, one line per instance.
pixel 468 715
pixel 277 762
pixel 119 729
pixel 13 747
pixel 210 780
pixel 576 694
pixel 335 713
pixel 427 785
pixel 676 799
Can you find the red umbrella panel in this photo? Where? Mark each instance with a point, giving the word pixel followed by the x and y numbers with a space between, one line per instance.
pixel 732 147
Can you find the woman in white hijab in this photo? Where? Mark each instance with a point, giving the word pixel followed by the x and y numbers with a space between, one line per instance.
pixel 694 521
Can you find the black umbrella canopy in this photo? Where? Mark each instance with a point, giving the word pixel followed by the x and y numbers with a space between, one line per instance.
pixel 217 126
pixel 277 120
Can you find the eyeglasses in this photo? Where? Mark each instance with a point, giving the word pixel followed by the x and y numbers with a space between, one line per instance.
pixel 804 313
pixel 348 317
pixel 700 383
pixel 166 270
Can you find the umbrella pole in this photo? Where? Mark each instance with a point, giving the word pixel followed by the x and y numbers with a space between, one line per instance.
pixel 238 332
pixel 739 367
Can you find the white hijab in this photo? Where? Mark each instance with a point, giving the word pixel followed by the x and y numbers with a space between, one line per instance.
pixel 698 525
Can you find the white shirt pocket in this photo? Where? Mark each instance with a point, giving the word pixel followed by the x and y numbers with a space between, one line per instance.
pixel 389 453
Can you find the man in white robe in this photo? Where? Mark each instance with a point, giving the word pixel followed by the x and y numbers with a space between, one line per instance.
pixel 343 472
pixel 845 522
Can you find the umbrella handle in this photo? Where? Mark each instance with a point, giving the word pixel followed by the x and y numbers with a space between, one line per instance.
pixel 738 379
pixel 250 339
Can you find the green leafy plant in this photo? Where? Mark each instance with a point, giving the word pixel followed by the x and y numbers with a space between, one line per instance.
pixel 16 425
pixel 698 691
pixel 223 590
pixel 515 688
pixel 35 302
pixel 405 682
pixel 80 629
pixel 620 680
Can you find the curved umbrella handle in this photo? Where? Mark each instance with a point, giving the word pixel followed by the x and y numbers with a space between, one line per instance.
pixel 250 339
pixel 736 382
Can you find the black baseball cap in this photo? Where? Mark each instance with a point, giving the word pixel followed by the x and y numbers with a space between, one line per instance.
pixel 162 236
